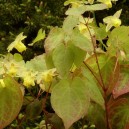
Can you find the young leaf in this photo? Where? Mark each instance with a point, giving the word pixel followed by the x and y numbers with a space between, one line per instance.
pixel 70 100
pixel 11 99
pixel 55 38
pixel 63 58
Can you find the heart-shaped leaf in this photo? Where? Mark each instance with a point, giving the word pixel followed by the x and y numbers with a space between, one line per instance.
pixel 70 100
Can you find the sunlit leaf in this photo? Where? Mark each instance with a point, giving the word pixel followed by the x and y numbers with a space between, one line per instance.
pixel 69 23
pixel 118 40
pixel 55 38
pixel 70 100
pixel 11 99
pixel 37 63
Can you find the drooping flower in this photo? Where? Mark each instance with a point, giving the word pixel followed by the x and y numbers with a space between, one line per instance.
pixel 113 20
pixel 17 44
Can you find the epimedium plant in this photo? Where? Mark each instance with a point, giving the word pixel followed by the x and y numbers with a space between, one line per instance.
pixel 84 81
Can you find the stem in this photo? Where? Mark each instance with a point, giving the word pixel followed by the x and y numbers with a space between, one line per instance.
pixel 93 39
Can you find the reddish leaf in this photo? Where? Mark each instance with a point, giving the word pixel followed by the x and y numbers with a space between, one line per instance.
pixel 122 85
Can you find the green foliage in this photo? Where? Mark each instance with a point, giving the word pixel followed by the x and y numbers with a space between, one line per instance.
pixel 84 85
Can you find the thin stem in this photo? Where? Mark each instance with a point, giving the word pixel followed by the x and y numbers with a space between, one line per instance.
pixel 93 39
pixel 93 74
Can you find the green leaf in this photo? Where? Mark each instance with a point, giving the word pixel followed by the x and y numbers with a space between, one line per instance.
pixel 37 64
pixel 94 90
pixel 118 40
pixel 55 38
pixel 40 36
pixel 11 99
pixel 76 11
pixel 95 7
pixel 79 55
pixel 81 41
pixel 69 23
pixel 33 109
pixel 63 58
pixel 70 100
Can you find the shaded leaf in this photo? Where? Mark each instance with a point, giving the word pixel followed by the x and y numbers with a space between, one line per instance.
pixel 94 90
pixel 70 100
pixel 11 99
pixel 33 109
pixel 63 58
pixel 96 115
pixel 118 112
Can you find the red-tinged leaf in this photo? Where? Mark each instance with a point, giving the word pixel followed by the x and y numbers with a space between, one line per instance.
pixel 70 100
pixel 122 85
pixel 109 69
pixel 96 115
pixel 118 113
pixel 11 99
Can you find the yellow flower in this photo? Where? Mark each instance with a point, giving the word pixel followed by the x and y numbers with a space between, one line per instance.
pixel 48 75
pixel 29 79
pixel 113 20
pixel 12 70
pixel 17 44
pixel 2 83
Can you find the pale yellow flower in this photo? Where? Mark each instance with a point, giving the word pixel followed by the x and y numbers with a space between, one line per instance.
pixel 2 83
pixel 48 75
pixel 29 79
pixel 17 44
pixel 113 20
